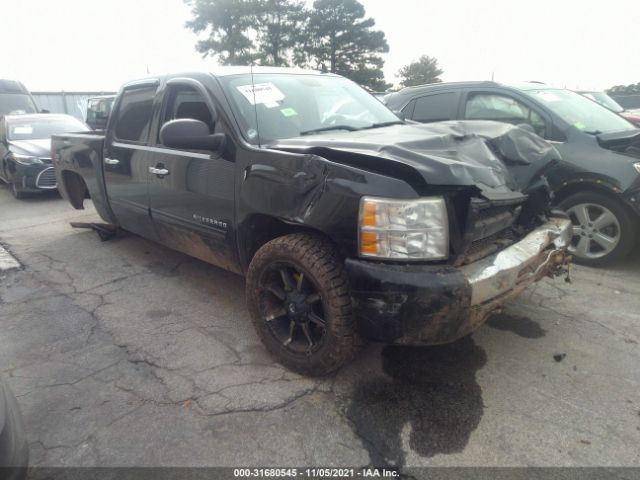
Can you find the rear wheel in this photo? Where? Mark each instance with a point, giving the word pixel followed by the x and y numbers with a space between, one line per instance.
pixel 298 297
pixel 603 229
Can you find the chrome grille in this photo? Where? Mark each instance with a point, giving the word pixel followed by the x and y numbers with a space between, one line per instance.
pixel 46 179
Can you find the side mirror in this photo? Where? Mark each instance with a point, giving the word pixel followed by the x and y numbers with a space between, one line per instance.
pixel 190 134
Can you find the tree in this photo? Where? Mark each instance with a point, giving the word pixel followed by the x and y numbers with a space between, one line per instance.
pixel 625 89
pixel 341 40
pixel 228 23
pixel 425 70
pixel 280 26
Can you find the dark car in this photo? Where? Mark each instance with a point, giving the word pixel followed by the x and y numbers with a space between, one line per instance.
pixel 598 180
pixel 629 101
pixel 98 110
pixel 25 150
pixel 14 451
pixel 15 98
pixel 346 221
pixel 606 101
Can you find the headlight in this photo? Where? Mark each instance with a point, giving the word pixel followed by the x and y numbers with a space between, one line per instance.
pixel 637 166
pixel 26 159
pixel 404 229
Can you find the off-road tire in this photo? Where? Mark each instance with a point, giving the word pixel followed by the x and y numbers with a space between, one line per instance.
pixel 317 258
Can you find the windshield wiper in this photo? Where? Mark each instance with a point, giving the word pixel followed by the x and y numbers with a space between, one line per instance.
pixel 327 129
pixel 383 124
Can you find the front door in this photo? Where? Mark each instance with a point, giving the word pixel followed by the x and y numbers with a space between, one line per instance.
pixel 191 193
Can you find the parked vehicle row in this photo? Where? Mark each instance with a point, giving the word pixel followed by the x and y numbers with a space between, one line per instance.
pixel 598 179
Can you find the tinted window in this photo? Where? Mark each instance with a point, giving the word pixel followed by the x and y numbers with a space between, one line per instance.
pixel 488 106
pixel 134 114
pixel 433 108
pixel 186 102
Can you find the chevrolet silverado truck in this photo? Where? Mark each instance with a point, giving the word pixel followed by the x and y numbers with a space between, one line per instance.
pixel 347 222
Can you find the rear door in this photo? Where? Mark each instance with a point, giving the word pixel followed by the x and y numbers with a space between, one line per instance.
pixel 127 158
pixel 191 192
pixel 434 107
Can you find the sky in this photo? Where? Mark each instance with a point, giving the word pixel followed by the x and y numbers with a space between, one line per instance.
pixel 93 45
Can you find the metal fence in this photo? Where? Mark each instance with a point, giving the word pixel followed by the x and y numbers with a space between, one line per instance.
pixel 72 103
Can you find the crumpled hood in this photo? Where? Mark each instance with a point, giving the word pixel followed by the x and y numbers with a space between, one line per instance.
pixel 490 155
pixel 37 148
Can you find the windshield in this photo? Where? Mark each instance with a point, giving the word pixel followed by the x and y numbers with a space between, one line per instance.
pixel 38 129
pixel 604 100
pixel 290 105
pixel 582 113
pixel 16 103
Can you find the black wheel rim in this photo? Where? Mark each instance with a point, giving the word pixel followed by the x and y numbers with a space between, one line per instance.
pixel 291 306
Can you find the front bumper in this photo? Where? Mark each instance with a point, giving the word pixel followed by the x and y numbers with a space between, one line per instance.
pixel 421 304
pixel 32 178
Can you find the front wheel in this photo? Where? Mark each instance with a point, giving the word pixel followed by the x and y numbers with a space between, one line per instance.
pixel 16 192
pixel 603 229
pixel 298 297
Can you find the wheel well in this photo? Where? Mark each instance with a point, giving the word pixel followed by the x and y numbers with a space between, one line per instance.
pixel 74 188
pixel 590 187
pixel 260 229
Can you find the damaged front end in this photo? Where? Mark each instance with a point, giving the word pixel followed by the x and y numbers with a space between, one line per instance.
pixel 502 235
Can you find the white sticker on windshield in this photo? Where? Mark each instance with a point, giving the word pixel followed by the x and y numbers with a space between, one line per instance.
pixel 24 130
pixel 266 93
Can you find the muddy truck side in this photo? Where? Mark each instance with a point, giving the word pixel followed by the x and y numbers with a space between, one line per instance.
pixel 347 222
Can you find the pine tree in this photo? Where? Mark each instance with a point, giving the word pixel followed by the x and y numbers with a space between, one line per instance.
pixel 424 71
pixel 280 28
pixel 228 23
pixel 342 41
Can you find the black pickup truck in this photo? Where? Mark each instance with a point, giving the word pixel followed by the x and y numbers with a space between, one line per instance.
pixel 346 221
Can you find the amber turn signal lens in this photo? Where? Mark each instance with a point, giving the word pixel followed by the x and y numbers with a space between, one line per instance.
pixel 369 214
pixel 369 242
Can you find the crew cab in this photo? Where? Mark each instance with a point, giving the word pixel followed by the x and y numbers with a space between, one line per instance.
pixel 346 222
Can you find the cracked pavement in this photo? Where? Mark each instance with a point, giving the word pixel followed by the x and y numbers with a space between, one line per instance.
pixel 125 353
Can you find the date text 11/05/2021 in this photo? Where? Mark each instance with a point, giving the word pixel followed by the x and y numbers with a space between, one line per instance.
pixel 368 472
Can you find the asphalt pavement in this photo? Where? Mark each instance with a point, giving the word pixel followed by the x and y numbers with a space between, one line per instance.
pixel 125 353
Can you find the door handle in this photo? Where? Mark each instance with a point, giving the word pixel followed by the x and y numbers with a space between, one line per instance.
pixel 158 171
pixel 111 161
